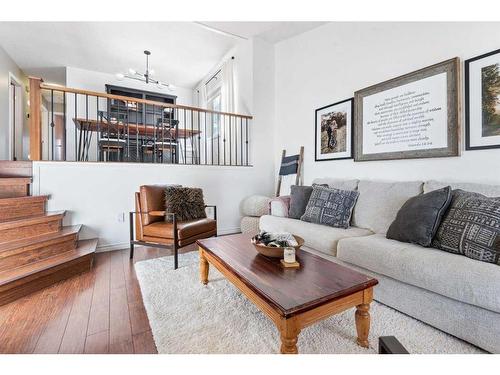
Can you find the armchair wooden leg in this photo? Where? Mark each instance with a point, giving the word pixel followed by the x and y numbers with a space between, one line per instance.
pixel 131 228
pixel 176 257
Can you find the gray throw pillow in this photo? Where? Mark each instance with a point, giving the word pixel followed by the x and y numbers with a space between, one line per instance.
pixel 418 219
pixel 186 203
pixel 471 227
pixel 331 207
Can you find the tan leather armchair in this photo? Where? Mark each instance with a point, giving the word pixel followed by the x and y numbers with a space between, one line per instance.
pixel 151 229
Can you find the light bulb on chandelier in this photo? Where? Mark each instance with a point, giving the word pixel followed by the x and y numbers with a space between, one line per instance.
pixel 145 77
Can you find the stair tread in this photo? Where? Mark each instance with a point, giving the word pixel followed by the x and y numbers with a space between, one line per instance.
pixel 29 219
pixel 29 198
pixel 84 248
pixel 65 231
pixel 14 180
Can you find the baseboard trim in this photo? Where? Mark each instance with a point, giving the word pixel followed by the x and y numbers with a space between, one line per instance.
pixel 125 245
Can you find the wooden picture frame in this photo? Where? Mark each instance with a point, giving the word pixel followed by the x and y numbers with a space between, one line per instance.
pixel 340 141
pixel 423 94
pixel 475 138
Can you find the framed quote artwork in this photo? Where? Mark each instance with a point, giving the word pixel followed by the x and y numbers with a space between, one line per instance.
pixel 333 131
pixel 412 116
pixel 482 101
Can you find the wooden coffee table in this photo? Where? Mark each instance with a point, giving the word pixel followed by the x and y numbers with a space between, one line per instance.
pixel 291 298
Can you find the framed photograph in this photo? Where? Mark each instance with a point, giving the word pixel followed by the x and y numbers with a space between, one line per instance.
pixel 482 101
pixel 412 116
pixel 333 131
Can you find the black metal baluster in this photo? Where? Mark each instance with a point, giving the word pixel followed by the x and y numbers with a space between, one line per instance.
pixel 109 124
pixel 230 142
pixel 235 140
pixel 77 148
pixel 205 137
pixel 52 124
pixel 224 137
pixel 241 140
pixel 98 136
pixel 246 139
pixel 154 136
pixel 64 126
pixel 198 157
pixel 185 135
pixel 218 137
pixel 128 131
pixel 170 123
pixel 192 137
pixel 87 141
pixel 176 119
pixel 137 158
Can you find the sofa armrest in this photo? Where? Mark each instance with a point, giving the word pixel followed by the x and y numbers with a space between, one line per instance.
pixel 279 206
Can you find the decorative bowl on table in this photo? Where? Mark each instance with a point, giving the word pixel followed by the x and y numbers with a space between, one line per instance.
pixel 276 251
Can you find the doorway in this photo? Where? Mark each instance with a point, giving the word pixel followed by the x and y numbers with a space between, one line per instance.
pixel 16 118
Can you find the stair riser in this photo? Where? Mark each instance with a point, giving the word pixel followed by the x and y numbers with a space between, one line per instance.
pixel 21 209
pixel 30 254
pixel 14 191
pixel 30 230
pixel 16 168
pixel 32 283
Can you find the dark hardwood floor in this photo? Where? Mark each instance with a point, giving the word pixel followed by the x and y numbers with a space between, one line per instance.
pixel 100 311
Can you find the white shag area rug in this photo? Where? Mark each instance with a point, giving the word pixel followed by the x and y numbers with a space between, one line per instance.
pixel 189 317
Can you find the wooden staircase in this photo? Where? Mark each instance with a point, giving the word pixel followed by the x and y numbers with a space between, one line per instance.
pixel 35 249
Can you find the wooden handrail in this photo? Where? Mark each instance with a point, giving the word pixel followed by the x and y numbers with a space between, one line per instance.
pixel 135 100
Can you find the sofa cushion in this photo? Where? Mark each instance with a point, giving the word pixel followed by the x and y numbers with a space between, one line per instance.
pixel 185 229
pixel 255 205
pixel 471 227
pixel 419 218
pixel 488 190
pixel 332 207
pixel 450 275
pixel 318 237
pixel 337 183
pixel 379 202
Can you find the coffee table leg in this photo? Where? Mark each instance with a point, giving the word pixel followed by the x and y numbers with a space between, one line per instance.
pixel 289 336
pixel 363 323
pixel 203 268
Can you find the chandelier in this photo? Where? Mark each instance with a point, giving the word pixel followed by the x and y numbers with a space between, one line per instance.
pixel 145 77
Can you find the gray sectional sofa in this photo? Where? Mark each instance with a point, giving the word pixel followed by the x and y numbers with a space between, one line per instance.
pixel 451 292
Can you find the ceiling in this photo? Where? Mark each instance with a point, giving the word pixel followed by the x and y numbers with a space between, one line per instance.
pixel 271 32
pixel 182 52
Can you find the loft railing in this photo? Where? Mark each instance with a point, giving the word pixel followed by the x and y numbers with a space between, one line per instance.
pixel 78 125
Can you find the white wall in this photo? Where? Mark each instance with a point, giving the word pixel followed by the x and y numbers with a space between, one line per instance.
pixel 7 65
pixel 97 81
pixel 330 63
pixel 96 194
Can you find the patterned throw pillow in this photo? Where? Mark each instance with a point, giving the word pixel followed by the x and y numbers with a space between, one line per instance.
pixel 471 227
pixel 299 197
pixel 331 207
pixel 186 203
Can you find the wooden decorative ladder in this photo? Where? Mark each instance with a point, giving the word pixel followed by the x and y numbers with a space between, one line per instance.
pixel 35 249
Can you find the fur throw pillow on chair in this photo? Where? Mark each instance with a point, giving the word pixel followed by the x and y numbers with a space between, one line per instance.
pixel 186 203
